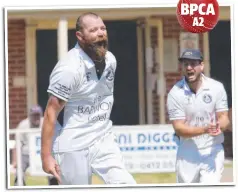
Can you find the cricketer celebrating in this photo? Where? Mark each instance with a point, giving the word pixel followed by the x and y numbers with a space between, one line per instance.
pixel 197 106
pixel 82 83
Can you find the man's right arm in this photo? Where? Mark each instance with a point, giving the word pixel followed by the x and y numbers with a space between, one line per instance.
pixel 63 81
pixel 178 118
pixel 53 108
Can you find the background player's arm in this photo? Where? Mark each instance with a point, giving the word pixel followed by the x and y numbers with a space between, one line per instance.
pixel 223 119
pixel 230 118
pixel 53 108
pixel 183 130
pixel 178 119
pixel 222 114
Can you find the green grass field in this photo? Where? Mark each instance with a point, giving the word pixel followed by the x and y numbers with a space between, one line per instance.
pixel 140 179
pixel 144 178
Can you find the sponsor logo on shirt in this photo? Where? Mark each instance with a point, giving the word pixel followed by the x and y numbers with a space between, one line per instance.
pixel 62 90
pixel 173 112
pixel 100 110
pixel 90 109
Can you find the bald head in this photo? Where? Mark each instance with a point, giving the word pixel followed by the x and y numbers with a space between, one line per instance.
pixel 81 18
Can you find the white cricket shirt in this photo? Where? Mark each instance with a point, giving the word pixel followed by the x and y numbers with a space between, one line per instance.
pixel 25 124
pixel 198 109
pixel 89 100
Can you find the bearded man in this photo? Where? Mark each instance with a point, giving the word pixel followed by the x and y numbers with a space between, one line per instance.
pixel 82 83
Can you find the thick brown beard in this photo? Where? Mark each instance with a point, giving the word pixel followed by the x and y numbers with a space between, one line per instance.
pixel 95 51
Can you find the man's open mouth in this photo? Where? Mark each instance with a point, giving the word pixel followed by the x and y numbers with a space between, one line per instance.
pixel 102 43
pixel 190 74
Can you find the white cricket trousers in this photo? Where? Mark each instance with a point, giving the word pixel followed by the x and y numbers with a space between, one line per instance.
pixel 203 166
pixel 103 159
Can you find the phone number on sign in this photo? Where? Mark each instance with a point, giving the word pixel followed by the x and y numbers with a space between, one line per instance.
pixel 155 165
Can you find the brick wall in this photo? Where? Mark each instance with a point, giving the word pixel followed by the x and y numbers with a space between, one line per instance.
pixel 171 29
pixel 16 68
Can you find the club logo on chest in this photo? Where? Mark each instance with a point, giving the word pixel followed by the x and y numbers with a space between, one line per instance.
pixel 110 74
pixel 207 98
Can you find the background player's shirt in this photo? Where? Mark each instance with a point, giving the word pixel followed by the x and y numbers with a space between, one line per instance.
pixel 25 124
pixel 89 100
pixel 197 109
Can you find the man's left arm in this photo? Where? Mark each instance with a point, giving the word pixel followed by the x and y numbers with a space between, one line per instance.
pixel 222 109
pixel 223 120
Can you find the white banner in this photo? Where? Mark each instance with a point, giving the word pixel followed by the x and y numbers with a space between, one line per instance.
pixel 145 148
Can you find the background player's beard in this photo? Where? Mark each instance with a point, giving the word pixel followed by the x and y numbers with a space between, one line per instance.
pixel 96 50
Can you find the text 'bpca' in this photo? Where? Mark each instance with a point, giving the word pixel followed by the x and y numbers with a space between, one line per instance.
pixel 189 9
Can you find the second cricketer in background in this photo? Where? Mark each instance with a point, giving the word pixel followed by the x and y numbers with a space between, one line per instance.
pixel 197 106
pixel 82 82
pixel 34 120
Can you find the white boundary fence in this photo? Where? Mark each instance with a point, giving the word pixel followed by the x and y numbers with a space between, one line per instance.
pixel 145 148
pixel 17 144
